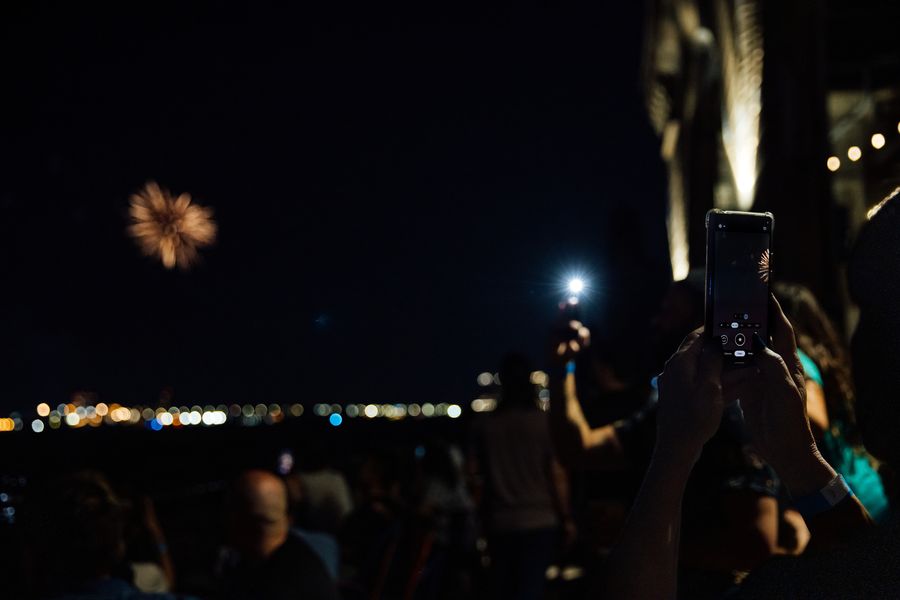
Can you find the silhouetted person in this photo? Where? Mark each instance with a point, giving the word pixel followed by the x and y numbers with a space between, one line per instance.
pixel 525 489
pixel 830 395
pixel 78 542
pixel 847 556
pixel 731 510
pixel 268 561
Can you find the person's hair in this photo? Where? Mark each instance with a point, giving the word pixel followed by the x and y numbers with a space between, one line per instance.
pixel 77 521
pixel 516 388
pixel 818 338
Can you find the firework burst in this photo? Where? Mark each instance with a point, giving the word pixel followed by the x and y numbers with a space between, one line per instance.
pixel 764 267
pixel 168 227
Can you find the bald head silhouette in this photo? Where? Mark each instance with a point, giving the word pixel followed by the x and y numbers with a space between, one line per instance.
pixel 258 514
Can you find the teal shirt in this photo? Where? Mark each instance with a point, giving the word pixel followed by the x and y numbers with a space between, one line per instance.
pixel 859 473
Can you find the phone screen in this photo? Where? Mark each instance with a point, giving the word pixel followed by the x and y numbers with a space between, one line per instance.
pixel 740 285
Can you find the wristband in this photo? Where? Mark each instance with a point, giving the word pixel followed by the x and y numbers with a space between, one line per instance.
pixel 829 496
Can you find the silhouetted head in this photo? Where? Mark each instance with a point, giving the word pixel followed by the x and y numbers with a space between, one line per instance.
pixel 874 277
pixel 258 514
pixel 78 522
pixel 517 390
pixel 680 312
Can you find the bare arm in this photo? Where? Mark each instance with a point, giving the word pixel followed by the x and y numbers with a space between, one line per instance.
pixel 578 444
pixel 645 561
pixel 749 517
pixel 816 410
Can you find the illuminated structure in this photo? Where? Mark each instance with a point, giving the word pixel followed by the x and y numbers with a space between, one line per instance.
pixel 784 106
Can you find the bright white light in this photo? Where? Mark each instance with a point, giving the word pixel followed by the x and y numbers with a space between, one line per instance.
pixel 371 411
pixel 72 419
pixel 453 411
pixel 43 409
pixel 485 379
pixel 878 141
pixel 37 425
pixel 195 417
pixel 833 163
pixel 576 285
pixel 854 153
pixel 165 419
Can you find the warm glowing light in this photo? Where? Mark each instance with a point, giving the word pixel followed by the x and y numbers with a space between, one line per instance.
pixel 72 419
pixel 165 419
pixel 854 153
pixel 576 285
pixel 833 163
pixel 539 377
pixel 171 228
pixel 485 379
pixel 878 141
pixel 43 409
pixel 102 409
pixel 742 70
pixel 7 425
pixel 296 410
pixel 874 210
pixel 428 409
pixel 414 410
pixel 454 411
pixel 371 411
pixel 898 127
pixel 37 425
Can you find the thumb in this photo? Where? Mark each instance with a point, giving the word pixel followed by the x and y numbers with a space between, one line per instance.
pixel 771 365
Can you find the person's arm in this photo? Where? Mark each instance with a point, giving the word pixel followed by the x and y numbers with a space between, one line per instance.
pixel 151 522
pixel 576 443
pixel 748 516
pixel 816 410
pixel 773 400
pixel 645 561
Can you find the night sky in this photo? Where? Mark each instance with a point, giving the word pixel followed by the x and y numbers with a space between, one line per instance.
pixel 398 194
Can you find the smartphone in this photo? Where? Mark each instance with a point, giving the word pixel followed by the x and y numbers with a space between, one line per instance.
pixel 738 268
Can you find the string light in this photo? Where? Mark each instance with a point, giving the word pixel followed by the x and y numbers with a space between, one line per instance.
pixel 833 163
pixel 878 141
pixel 854 153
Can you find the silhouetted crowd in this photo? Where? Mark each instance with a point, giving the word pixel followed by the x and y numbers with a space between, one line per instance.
pixel 773 480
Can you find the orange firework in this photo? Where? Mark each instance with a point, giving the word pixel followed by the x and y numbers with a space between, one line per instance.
pixel 764 266
pixel 171 228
